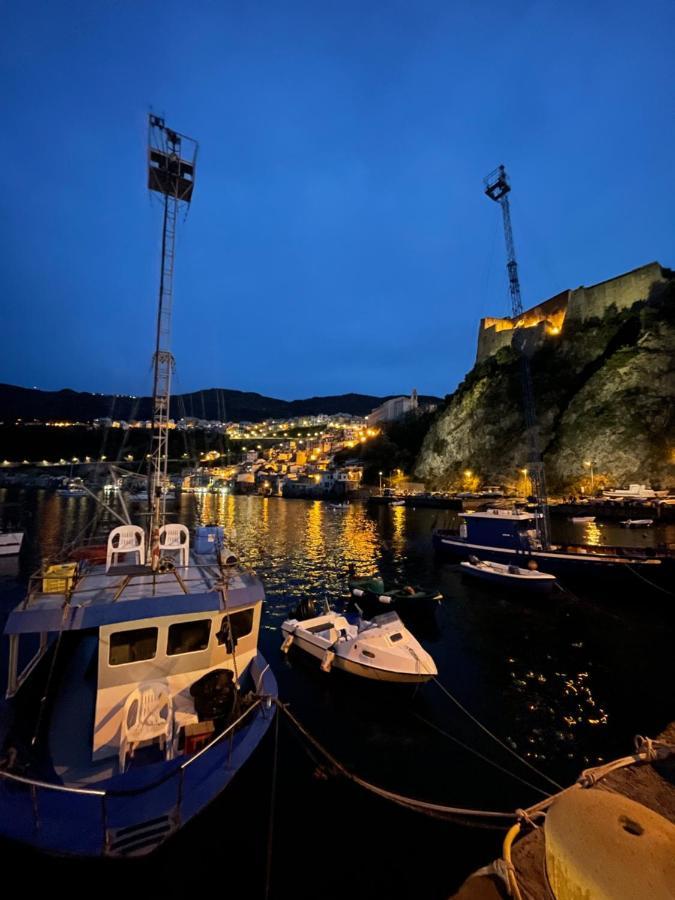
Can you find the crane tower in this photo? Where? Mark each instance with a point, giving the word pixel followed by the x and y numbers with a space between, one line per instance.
pixel 497 188
pixel 171 174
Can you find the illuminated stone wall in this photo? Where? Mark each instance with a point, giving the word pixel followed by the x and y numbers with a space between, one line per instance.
pixel 546 320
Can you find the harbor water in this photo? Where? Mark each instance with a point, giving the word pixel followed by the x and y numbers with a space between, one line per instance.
pixel 564 680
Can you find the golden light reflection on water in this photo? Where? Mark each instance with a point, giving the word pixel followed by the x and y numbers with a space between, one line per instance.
pixel 360 540
pixel 398 521
pixel 593 534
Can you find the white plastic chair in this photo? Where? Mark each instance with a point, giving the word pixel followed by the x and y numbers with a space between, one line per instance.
pixel 175 538
pixel 125 539
pixel 147 714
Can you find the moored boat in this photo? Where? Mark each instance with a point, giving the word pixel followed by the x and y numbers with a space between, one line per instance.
pixel 381 649
pixel 582 519
pixel 10 542
pixel 637 523
pixel 508 576
pixel 509 536
pixel 146 695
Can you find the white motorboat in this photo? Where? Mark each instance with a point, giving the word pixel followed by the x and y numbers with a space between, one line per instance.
pixel 74 488
pixel 637 523
pixel 10 542
pixel 508 575
pixel 381 649
pixel 580 520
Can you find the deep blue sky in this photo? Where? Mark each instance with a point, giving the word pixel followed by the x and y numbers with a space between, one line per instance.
pixel 339 239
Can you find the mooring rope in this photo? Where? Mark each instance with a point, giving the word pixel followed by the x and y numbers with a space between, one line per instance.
pixel 477 753
pixel 273 798
pixel 436 810
pixel 650 583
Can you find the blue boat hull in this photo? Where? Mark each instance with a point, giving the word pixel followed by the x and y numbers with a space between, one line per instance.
pixel 625 572
pixel 122 819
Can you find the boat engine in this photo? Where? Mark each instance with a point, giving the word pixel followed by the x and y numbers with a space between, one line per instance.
pixel 306 609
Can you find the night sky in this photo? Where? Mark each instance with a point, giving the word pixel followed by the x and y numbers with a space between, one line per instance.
pixel 339 238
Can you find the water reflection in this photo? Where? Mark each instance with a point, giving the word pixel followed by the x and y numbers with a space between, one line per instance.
pixel 554 678
pixel 593 534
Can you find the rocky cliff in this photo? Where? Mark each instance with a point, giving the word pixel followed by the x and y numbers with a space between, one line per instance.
pixel 605 394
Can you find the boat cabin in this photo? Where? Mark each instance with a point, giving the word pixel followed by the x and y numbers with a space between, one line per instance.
pixel 140 645
pixel 507 528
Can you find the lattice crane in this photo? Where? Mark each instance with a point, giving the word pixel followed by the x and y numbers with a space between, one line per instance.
pixel 497 188
pixel 171 173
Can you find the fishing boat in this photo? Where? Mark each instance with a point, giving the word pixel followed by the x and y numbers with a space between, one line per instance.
pixel 508 576
pixel 135 688
pixel 509 536
pixel 381 649
pixel 147 693
pixel 637 523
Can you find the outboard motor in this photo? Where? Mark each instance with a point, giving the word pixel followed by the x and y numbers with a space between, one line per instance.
pixel 306 609
pixel 214 695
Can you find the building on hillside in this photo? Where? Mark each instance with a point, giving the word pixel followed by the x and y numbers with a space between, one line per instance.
pixel 392 409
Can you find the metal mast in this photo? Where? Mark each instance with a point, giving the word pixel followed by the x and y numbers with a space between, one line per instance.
pixel 171 173
pixel 497 188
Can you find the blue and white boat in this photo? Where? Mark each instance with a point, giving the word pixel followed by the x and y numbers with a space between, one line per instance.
pixel 135 689
pixel 509 536
pixel 133 698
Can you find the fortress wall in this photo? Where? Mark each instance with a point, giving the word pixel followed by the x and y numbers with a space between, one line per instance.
pixel 491 338
pixel 623 291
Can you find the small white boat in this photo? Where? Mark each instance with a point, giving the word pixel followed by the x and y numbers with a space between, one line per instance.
pixel 10 542
pixel 338 506
pixel 74 488
pixel 582 519
pixel 637 523
pixel 397 503
pixel 382 649
pixel 508 575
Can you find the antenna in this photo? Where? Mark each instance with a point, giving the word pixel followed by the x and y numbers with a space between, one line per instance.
pixel 498 188
pixel 171 173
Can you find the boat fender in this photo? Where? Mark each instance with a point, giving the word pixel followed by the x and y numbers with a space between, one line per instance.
pixel 327 661
pixel 383 598
pixel 286 646
pixel 357 592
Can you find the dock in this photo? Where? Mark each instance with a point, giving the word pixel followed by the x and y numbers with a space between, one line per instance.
pixel 650 784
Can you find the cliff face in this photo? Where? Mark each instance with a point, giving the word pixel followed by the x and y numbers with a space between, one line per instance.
pixel 605 394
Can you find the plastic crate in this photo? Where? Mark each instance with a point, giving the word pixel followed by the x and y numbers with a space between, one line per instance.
pixel 59 579
pixel 208 538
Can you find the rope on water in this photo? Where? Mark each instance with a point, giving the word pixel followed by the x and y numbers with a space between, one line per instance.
pixel 273 797
pixel 486 759
pixel 650 583
pixel 436 810
pixel 495 738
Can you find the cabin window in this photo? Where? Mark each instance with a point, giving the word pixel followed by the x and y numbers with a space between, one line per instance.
pixel 132 646
pixel 188 637
pixel 240 624
pixel 396 637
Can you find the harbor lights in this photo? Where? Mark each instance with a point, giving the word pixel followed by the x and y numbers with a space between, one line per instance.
pixel 380 474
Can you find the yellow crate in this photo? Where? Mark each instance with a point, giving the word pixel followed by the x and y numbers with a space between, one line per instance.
pixel 59 579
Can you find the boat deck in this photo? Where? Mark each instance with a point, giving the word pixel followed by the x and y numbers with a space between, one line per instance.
pixel 97 596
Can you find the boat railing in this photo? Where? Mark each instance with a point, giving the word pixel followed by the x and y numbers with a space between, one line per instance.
pixel 44 794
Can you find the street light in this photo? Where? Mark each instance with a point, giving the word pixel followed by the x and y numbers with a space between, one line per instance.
pixel 589 464
pixel 380 474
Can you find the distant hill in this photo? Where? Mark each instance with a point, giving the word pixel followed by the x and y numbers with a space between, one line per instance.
pixel 222 404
